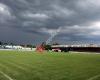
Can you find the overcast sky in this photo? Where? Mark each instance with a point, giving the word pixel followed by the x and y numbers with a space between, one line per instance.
pixel 33 21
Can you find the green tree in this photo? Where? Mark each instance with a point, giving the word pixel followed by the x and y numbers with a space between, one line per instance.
pixel 47 47
pixel 0 43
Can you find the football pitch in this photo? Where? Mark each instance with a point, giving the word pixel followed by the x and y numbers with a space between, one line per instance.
pixel 24 65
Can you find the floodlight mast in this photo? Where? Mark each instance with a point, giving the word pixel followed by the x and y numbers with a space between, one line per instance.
pixel 53 34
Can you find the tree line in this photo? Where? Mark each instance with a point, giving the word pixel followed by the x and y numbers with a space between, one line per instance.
pixel 24 45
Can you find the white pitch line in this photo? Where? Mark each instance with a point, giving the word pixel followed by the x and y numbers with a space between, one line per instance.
pixel 94 77
pixel 8 77
pixel 18 66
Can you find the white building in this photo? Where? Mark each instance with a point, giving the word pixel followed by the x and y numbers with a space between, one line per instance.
pixel 16 47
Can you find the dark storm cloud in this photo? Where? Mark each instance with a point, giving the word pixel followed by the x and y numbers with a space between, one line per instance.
pixel 79 19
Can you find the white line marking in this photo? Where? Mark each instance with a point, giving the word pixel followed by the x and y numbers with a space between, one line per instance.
pixel 8 77
pixel 18 66
pixel 94 77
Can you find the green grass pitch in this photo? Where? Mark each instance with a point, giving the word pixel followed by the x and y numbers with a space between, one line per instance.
pixel 21 65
